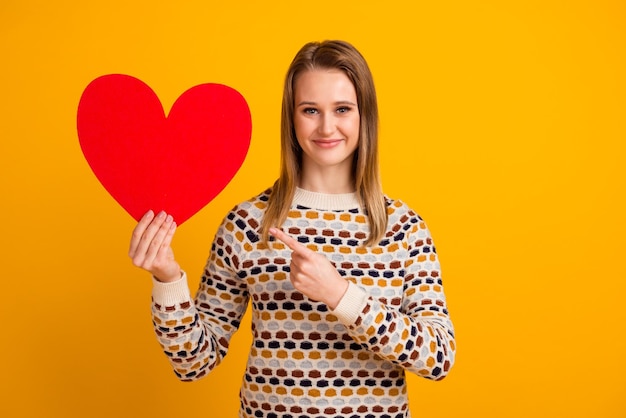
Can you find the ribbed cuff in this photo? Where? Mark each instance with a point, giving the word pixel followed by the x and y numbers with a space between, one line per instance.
pixel 172 293
pixel 351 304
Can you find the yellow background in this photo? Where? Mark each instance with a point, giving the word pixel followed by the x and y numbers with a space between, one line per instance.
pixel 503 124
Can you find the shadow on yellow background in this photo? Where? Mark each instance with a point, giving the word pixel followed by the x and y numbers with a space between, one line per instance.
pixel 502 124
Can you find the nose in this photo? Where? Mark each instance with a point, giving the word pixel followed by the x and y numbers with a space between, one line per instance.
pixel 327 125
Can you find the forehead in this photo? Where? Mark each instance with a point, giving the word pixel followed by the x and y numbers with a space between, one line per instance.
pixel 322 85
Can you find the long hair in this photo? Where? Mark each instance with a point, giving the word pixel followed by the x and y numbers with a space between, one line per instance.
pixel 342 56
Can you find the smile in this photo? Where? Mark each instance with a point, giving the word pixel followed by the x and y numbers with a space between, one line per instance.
pixel 327 143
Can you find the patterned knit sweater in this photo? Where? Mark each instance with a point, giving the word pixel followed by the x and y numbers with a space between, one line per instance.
pixel 307 360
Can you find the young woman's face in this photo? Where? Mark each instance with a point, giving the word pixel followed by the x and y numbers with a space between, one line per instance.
pixel 326 118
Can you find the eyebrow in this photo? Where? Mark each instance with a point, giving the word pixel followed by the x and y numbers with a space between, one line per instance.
pixel 340 102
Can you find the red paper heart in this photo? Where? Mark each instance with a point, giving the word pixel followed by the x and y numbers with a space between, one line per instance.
pixel 146 160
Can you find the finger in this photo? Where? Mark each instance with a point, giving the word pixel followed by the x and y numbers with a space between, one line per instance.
pixel 138 232
pixel 294 245
pixel 158 241
pixel 146 238
pixel 167 242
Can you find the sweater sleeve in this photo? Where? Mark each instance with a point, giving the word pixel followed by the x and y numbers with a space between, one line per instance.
pixel 195 334
pixel 419 336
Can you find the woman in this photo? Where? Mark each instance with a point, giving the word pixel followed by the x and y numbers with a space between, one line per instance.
pixel 344 282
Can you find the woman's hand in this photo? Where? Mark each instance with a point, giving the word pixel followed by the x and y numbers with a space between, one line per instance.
pixel 150 246
pixel 312 273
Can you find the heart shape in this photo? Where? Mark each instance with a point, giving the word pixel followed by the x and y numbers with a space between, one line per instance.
pixel 147 160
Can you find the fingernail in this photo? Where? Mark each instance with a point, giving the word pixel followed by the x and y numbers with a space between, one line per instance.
pixel 169 218
pixel 161 214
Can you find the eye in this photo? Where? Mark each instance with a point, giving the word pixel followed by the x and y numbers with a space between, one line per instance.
pixel 344 109
pixel 309 110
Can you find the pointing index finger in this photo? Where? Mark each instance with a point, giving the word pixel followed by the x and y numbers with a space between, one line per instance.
pixel 294 245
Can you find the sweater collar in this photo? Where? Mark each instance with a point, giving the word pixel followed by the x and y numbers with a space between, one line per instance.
pixel 324 201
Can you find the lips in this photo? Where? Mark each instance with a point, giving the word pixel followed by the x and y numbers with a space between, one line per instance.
pixel 327 143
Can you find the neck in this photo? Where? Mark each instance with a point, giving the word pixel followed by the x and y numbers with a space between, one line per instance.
pixel 329 181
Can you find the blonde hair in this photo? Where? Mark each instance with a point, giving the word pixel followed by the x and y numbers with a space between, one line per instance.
pixel 342 56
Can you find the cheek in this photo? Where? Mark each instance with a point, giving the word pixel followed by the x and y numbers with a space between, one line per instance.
pixel 297 123
pixel 302 127
pixel 354 127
